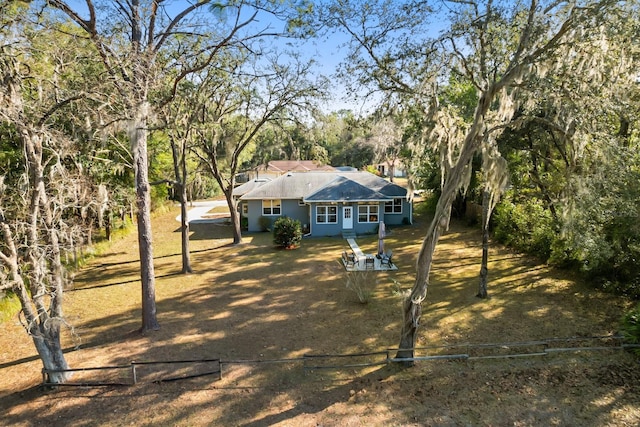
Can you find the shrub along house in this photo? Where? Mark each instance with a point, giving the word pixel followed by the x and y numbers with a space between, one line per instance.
pixel 326 203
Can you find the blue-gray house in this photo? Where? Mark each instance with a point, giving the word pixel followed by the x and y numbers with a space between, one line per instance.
pixel 326 203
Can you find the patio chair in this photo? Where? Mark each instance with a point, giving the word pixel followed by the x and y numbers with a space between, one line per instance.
pixel 349 260
pixel 385 261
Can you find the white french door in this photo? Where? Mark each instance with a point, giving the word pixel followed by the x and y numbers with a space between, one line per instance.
pixel 347 217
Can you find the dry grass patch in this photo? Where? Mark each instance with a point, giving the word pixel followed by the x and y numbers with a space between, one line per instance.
pixel 257 302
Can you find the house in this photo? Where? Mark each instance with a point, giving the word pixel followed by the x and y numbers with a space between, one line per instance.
pixel 327 203
pixel 395 167
pixel 275 168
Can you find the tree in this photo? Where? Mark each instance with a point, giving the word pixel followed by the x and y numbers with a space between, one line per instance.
pixel 179 152
pixel 573 157
pixel 495 46
pixel 44 189
pixel 147 48
pixel 386 139
pixel 236 103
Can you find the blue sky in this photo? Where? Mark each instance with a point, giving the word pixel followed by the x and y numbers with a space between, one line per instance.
pixel 326 52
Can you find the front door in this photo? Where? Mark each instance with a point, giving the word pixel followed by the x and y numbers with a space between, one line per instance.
pixel 347 217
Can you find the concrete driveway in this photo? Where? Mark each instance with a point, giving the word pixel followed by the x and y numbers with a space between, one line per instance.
pixel 198 209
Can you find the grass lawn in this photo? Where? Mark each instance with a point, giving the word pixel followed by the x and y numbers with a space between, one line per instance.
pixel 254 302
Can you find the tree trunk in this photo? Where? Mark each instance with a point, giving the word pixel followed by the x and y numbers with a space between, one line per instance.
pixel 43 328
pixel 412 307
pixel 42 303
pixel 180 172
pixel 47 343
pixel 235 217
pixel 484 267
pixel 107 225
pixel 143 204
pixel 184 230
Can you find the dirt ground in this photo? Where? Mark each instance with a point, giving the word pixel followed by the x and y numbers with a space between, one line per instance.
pixel 260 309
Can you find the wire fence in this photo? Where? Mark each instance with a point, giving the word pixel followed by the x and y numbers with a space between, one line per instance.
pixel 176 370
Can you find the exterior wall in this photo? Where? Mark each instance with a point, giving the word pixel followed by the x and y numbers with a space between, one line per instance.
pixel 289 208
pixel 292 209
pixel 323 229
pixel 398 170
pixel 254 214
pixel 398 218
pixel 336 229
pixel 366 227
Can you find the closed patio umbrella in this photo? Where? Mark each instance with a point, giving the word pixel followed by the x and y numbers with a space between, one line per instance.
pixel 381 236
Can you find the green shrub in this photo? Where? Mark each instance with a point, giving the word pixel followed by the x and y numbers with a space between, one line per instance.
pixel 631 327
pixel 372 169
pixel 427 206
pixel 9 306
pixel 287 232
pixel 527 227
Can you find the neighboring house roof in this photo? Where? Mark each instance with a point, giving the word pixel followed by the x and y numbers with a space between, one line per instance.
pixel 283 166
pixel 327 186
pixel 249 186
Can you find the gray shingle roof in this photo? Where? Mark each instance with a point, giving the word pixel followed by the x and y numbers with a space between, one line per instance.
pixel 290 186
pixel 327 186
pixel 249 186
pixel 345 189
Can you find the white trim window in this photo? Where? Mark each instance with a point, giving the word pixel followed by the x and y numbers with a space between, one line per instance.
pixel 271 207
pixel 393 207
pixel 245 209
pixel 326 214
pixel 368 213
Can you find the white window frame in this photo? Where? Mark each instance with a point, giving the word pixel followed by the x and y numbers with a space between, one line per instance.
pixel 245 209
pixel 269 206
pixel 393 204
pixel 372 211
pixel 327 214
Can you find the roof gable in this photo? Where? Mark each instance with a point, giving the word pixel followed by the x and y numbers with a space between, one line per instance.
pixel 378 184
pixel 344 189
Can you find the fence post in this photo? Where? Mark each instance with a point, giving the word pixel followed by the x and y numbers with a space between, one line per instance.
pixel 133 372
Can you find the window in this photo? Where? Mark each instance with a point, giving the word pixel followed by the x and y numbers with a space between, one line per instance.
pixel 271 207
pixel 394 206
pixel 245 209
pixel 327 214
pixel 368 213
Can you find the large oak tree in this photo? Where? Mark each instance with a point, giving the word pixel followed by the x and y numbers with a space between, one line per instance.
pixel 43 187
pixel 148 47
pixel 495 45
